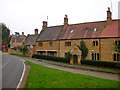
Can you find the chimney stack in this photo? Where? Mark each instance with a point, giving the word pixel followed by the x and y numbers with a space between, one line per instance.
pixel 44 24
pixel 22 33
pixel 109 17
pixel 36 31
pixel 65 22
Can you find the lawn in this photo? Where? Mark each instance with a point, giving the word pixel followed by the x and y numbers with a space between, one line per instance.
pixel 21 55
pixel 43 77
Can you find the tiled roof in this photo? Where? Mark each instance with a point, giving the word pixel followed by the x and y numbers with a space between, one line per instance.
pixel 50 33
pixel 112 30
pixel 92 30
pixel 31 39
pixel 83 30
pixel 19 38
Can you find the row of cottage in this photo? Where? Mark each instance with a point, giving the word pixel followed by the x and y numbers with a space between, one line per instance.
pixel 100 38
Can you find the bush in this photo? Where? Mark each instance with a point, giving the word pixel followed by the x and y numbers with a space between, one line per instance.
pixel 14 48
pixel 53 58
pixel 101 63
pixel 84 49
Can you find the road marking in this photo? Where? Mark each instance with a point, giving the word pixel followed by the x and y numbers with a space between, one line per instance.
pixel 21 76
pixel 4 65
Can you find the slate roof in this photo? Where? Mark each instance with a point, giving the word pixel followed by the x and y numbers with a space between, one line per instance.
pixel 50 33
pixel 31 39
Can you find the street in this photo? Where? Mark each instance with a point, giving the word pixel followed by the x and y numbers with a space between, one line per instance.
pixel 12 69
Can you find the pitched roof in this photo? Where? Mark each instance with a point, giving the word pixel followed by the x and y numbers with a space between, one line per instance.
pixel 112 30
pixel 31 39
pixel 50 33
pixel 83 30
pixel 92 30
pixel 19 38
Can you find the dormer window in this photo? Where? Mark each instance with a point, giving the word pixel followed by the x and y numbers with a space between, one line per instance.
pixel 95 29
pixel 71 31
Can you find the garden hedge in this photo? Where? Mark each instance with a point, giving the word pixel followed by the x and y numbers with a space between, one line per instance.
pixel 53 58
pixel 101 63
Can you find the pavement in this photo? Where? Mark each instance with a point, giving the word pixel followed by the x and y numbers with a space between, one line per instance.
pixel 12 69
pixel 79 69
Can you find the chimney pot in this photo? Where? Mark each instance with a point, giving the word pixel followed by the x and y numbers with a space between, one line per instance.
pixel 23 33
pixel 36 31
pixel 44 24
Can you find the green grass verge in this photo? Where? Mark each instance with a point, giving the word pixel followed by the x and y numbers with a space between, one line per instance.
pixel 21 55
pixel 43 77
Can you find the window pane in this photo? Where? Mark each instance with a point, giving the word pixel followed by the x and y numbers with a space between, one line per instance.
pixel 40 44
pixel 50 43
pixel 118 57
pixel 67 43
pixel 119 42
pixel 97 56
pixel 115 42
pixel 114 57
pixel 93 43
pixel 96 43
pixel 92 56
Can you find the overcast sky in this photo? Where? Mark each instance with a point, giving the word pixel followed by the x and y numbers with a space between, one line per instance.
pixel 26 15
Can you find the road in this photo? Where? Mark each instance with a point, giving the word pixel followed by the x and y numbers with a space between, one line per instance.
pixel 12 69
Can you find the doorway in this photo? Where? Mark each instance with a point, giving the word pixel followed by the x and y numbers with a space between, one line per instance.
pixel 75 59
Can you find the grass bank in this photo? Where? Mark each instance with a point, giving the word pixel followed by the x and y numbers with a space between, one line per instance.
pixel 43 77
pixel 21 55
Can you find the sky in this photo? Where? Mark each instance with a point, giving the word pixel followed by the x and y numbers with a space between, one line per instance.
pixel 27 15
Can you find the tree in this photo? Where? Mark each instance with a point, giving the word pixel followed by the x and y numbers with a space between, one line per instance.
pixel 17 34
pixel 68 56
pixel 23 49
pixel 5 35
pixel 84 49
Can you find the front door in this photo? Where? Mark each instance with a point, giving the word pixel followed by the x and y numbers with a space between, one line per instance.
pixel 75 59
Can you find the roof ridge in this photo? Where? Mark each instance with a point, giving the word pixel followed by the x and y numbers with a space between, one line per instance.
pixel 93 22
pixel 54 26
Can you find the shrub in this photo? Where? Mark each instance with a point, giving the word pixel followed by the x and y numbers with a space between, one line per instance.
pixel 84 49
pixel 60 59
pixel 101 63
pixel 14 48
pixel 68 56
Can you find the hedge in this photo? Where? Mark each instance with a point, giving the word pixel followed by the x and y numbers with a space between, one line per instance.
pixel 53 58
pixel 101 63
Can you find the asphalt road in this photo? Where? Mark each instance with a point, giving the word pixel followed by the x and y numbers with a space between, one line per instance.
pixel 12 69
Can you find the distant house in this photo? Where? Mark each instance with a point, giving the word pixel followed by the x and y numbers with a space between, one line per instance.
pixel 100 38
pixel 30 42
pixel 17 40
